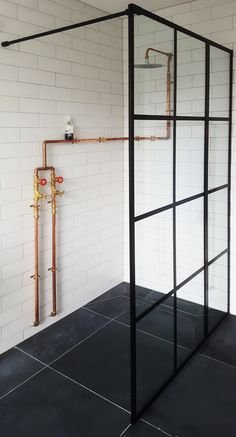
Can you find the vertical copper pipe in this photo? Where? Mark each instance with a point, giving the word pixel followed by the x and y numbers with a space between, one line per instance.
pixel 53 268
pixel 36 265
pixel 45 154
pixel 35 276
pixel 168 96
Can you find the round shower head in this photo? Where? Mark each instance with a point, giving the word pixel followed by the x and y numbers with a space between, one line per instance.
pixel 147 65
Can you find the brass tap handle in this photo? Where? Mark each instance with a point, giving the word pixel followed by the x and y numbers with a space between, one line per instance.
pixel 37 194
pixel 34 276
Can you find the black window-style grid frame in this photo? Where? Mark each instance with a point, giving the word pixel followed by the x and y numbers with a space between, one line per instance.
pixel 206 119
pixel 132 11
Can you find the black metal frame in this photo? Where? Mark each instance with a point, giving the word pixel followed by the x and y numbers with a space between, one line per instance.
pixel 131 12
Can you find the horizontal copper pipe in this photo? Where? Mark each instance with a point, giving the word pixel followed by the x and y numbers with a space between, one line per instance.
pixel 93 140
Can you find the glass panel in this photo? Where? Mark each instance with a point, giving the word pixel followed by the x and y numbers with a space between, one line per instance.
pixel 153 165
pixel 189 158
pixel 219 82
pixel 217 222
pixel 155 352
pixel 153 70
pixel 217 294
pixel 189 238
pixel 154 252
pixel 190 76
pixel 218 154
pixel 190 317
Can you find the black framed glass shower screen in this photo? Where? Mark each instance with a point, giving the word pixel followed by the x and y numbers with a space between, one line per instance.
pixel 180 94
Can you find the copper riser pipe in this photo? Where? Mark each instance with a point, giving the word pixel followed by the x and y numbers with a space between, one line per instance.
pixel 54 192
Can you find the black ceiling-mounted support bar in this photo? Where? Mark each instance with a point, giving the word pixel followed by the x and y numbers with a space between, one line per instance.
pixel 65 28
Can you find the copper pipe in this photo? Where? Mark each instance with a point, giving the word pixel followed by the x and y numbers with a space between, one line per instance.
pixel 92 140
pixel 53 268
pixel 35 276
pixel 168 84
pixel 55 192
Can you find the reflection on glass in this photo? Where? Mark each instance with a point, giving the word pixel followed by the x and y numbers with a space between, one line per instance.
pixel 189 238
pixel 190 317
pixel 155 352
pixel 219 82
pixel 218 154
pixel 153 166
pixel 154 252
pixel 154 63
pixel 190 76
pixel 189 158
pixel 217 222
pixel 217 293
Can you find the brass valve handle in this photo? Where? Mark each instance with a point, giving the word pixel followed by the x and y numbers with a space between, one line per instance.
pixel 37 194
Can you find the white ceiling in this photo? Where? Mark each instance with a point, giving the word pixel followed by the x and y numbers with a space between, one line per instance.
pixel 112 6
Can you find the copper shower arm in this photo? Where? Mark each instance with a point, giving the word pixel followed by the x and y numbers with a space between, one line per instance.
pixel 168 54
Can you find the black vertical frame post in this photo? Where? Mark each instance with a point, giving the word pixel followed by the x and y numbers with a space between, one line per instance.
pixel 206 159
pixel 174 201
pixel 229 171
pixel 131 215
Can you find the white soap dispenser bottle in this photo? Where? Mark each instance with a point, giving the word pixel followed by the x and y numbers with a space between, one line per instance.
pixel 69 130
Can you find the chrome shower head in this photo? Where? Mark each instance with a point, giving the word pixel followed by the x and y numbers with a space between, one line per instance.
pixel 147 65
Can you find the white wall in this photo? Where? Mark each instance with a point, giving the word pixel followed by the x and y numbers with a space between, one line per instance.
pixel 78 73
pixel 216 21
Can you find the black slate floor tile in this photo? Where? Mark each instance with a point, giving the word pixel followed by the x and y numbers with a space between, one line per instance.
pixel 221 345
pixel 15 367
pixel 102 363
pixel 200 402
pixel 142 429
pixel 53 341
pixel 50 405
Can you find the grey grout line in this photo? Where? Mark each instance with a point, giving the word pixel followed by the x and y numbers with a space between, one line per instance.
pixel 144 302
pixel 140 330
pixel 153 426
pixel 89 389
pixel 31 356
pixel 126 429
pixel 98 314
pixel 86 338
pixel 103 300
pixel 48 365
pixel 23 382
pixel 217 361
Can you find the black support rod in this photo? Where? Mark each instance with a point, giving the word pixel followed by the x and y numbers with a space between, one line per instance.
pixel 65 28
pixel 131 220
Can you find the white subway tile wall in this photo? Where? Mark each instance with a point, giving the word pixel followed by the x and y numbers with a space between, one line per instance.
pixel 77 73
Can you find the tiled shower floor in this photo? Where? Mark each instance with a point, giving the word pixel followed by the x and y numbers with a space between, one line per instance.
pixel 72 379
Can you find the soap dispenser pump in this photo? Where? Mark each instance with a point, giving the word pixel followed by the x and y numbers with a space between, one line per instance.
pixel 69 131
